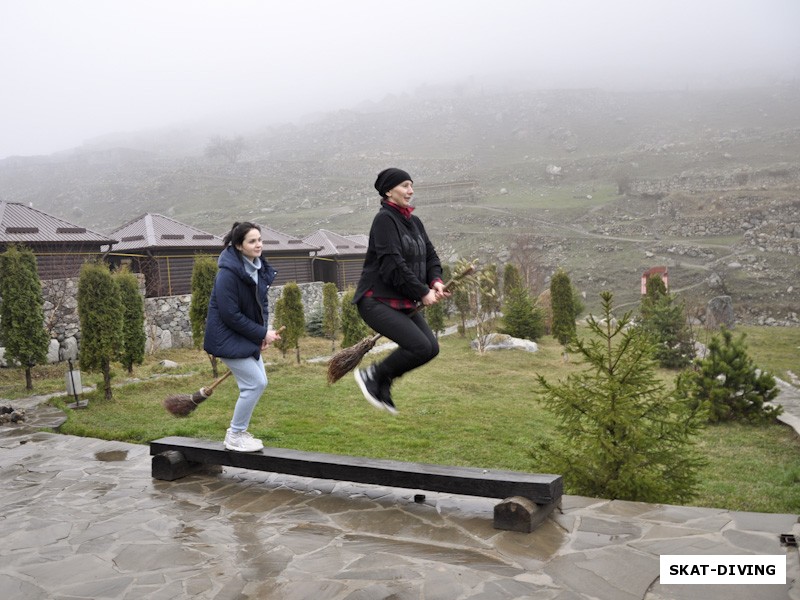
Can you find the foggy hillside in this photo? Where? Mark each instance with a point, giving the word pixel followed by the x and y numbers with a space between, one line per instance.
pixel 605 184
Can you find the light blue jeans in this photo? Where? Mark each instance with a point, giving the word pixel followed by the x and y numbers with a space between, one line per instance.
pixel 252 380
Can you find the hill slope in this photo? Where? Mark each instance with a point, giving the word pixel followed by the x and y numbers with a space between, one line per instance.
pixel 711 181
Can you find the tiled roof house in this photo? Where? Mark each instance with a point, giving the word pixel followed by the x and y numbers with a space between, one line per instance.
pixel 290 256
pixel 163 250
pixel 340 258
pixel 60 247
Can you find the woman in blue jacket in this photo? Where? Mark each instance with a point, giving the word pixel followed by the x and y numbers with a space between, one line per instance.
pixel 401 272
pixel 236 326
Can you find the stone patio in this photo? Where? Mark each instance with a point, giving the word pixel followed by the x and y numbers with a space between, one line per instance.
pixel 82 518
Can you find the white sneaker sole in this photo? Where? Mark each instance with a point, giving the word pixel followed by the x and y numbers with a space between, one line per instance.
pixel 235 449
pixel 374 401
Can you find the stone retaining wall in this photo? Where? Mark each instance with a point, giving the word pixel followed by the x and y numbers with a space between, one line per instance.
pixel 167 323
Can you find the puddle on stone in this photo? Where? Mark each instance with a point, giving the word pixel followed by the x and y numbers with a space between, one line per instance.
pixel 111 455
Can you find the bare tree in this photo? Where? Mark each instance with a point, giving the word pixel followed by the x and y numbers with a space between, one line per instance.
pixel 526 256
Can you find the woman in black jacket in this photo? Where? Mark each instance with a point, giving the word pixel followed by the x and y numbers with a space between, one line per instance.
pixel 236 326
pixel 401 271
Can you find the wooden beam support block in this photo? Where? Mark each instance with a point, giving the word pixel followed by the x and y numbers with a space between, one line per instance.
pixel 171 465
pixel 521 514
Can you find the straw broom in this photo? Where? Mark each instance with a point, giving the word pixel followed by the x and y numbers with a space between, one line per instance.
pixel 348 359
pixel 182 405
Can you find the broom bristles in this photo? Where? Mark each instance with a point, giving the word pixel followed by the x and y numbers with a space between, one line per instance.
pixel 345 361
pixel 182 405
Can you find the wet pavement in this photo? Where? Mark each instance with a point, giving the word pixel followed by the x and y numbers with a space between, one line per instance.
pixel 82 518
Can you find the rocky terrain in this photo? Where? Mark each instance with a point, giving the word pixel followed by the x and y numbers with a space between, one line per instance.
pixel 605 184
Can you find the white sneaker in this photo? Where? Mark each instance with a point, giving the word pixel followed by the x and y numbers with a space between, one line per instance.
pixel 242 441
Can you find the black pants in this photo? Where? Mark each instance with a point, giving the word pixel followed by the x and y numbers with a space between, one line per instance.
pixel 417 343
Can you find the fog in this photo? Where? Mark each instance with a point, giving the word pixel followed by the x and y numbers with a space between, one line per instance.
pixel 72 70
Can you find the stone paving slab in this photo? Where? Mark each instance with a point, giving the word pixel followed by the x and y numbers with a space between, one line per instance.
pixel 82 518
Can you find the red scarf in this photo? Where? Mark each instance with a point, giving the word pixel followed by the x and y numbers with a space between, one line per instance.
pixel 403 210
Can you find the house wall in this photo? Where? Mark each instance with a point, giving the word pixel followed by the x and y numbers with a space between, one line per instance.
pixel 291 268
pixel 344 272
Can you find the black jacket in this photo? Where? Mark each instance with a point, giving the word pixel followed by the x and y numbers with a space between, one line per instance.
pixel 401 261
pixel 238 309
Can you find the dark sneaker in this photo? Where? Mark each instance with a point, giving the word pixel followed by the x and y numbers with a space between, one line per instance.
pixel 385 396
pixel 369 386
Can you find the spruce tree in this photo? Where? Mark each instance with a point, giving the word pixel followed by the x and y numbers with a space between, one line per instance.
pixel 204 272
pixel 354 329
pixel 100 314
pixel 521 317
pixel 623 434
pixel 728 385
pixel 293 317
pixel 21 312
pixel 133 336
pixel 562 306
pixel 665 319
pixel 330 312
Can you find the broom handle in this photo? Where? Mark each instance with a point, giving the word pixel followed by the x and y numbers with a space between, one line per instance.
pixel 455 279
pixel 211 387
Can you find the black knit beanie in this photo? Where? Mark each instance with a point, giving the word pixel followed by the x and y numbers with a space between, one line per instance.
pixel 389 178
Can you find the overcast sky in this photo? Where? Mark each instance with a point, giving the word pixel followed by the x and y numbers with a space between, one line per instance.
pixel 71 70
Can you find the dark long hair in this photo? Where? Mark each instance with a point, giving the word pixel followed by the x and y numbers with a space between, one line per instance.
pixel 235 237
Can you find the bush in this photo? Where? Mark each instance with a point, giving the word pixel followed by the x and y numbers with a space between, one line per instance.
pixel 728 385
pixel 314 326
pixel 354 329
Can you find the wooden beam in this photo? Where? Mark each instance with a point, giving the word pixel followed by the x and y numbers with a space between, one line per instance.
pixel 491 483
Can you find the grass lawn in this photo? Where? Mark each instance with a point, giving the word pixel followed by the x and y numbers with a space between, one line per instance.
pixel 462 409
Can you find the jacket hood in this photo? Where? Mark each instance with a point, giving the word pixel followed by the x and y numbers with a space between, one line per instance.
pixel 231 260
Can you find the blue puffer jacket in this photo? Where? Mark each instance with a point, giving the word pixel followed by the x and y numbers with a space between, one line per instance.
pixel 238 311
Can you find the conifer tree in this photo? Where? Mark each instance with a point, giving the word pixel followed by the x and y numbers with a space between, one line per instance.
pixel 562 306
pixel 330 312
pixel 21 312
pixel 521 317
pixel 434 315
pixel 623 434
pixel 204 272
pixel 354 329
pixel 278 321
pixel 293 317
pixel 665 319
pixel 100 314
pixel 728 385
pixel 133 336
pixel 511 280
